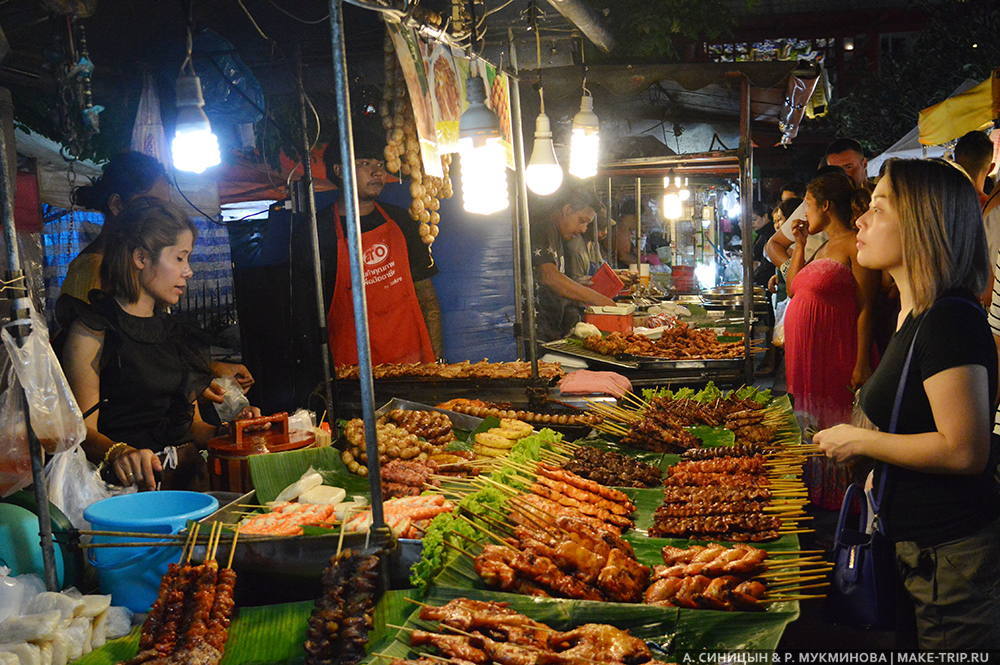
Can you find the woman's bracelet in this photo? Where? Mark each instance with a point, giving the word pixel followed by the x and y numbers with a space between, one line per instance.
pixel 111 451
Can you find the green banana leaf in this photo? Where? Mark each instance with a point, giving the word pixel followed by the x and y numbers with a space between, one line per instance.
pixel 270 633
pixel 274 472
pixel 713 437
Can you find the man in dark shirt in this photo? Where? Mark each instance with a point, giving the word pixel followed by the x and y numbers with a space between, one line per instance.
pixel 559 298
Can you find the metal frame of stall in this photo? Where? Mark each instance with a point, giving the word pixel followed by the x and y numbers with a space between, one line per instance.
pixel 20 325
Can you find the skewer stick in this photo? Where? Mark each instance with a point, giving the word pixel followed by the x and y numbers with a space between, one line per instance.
pixel 793 531
pixel 479 527
pixel 134 534
pixel 455 547
pixel 783 599
pixel 417 602
pixel 232 547
pixel 195 530
pixel 783 552
pixel 800 587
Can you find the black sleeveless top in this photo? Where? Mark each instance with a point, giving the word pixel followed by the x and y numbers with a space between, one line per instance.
pixel 151 370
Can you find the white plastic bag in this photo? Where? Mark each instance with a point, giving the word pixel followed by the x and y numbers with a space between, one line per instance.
pixel 15 460
pixel 778 338
pixel 55 417
pixel 74 484
pixel 16 593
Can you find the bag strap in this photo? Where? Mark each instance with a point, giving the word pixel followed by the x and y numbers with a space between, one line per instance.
pixel 900 391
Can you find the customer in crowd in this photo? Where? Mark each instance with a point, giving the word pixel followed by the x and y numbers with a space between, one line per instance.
pixel 560 300
pixel 127 176
pixel 828 324
pixel 777 283
pixel 940 502
pixel 792 190
pixel 974 153
pixel 763 228
pixel 850 156
pixel 140 366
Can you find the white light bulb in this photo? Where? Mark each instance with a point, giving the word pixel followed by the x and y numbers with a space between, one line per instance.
pixel 585 140
pixel 195 149
pixel 685 194
pixel 544 175
pixel 483 175
pixel 672 208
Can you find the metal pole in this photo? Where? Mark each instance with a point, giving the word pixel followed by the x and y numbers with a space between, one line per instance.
pixel 310 210
pixel 611 259
pixel 20 315
pixel 519 309
pixel 521 195
pixel 638 221
pixel 746 197
pixel 342 94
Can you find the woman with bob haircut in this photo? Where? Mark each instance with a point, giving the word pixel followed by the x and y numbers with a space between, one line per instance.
pixel 142 367
pixel 939 502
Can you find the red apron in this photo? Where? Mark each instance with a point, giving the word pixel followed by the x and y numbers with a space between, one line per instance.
pixel 396 326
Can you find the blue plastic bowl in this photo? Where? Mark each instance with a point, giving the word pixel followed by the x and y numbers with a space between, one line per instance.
pixel 132 574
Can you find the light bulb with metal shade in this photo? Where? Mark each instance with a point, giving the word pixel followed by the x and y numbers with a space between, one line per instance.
pixel 585 140
pixel 194 148
pixel 544 176
pixel 483 169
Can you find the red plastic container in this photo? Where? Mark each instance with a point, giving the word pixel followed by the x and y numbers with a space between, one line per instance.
pixel 610 322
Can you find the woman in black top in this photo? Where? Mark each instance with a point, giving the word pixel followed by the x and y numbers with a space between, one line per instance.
pixel 940 503
pixel 125 353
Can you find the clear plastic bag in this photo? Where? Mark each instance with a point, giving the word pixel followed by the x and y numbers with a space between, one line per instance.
pixel 73 484
pixel 55 417
pixel 233 400
pixel 15 460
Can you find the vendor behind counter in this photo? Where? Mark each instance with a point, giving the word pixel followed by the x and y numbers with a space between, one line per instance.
pixel 559 299
pixel 139 365
pixel 403 312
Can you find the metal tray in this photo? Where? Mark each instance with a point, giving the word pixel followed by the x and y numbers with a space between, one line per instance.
pixel 645 362
pixel 572 349
pixel 280 569
pixel 461 421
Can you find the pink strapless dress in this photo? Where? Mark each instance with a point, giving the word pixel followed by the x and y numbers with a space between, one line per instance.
pixel 821 341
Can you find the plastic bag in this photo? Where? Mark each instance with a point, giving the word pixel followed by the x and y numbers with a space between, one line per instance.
pixel 55 416
pixel 302 420
pixel 74 484
pixel 15 459
pixel 778 338
pixel 17 592
pixel 233 400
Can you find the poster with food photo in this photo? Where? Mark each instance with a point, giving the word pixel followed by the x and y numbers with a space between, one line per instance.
pixel 498 99
pixel 414 54
pixel 448 87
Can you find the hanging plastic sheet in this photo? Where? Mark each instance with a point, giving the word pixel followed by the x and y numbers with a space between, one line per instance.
pixel 232 93
pixel 55 417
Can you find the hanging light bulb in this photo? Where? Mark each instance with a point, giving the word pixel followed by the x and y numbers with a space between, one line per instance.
pixel 685 192
pixel 194 148
pixel 672 208
pixel 544 175
pixel 483 168
pixel 585 141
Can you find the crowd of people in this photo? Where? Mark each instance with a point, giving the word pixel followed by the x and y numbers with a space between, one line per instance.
pixel 892 363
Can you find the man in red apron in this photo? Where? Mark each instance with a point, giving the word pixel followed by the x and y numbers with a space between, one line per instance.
pixel 391 244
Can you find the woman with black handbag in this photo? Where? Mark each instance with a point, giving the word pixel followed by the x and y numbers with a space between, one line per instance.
pixel 931 398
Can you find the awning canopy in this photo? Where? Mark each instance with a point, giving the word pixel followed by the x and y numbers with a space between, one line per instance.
pixel 975 108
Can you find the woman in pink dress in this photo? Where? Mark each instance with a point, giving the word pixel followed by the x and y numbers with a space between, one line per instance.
pixel 828 331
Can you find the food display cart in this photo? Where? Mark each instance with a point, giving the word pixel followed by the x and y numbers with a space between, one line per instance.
pixel 430 533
